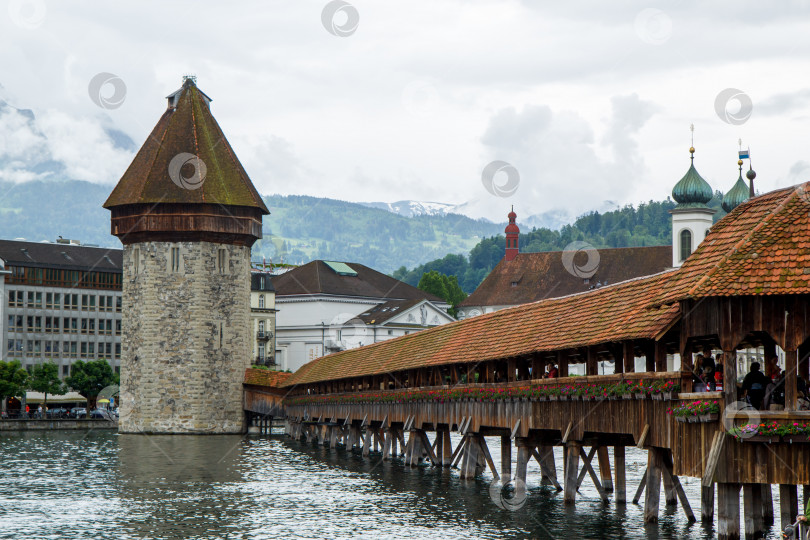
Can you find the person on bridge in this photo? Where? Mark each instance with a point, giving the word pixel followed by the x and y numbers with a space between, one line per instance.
pixel 552 372
pixel 754 385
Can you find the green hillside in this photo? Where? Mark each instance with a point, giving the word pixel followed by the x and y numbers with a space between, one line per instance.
pixel 648 224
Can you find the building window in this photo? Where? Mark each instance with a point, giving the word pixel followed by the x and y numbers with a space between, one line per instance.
pixel 261 327
pixel 175 259
pixel 118 350
pixel 221 260
pixel 261 301
pixel 118 327
pixel 118 304
pixel 136 256
pixel 686 244
pixel 261 351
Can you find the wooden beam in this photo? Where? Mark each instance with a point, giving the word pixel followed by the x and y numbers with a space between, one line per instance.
pixel 548 476
pixel 520 472
pixel 629 357
pixel 643 437
pixel 583 471
pixel 730 379
pixel 728 511
pixel 572 451
pixel 714 458
pixel 791 378
pixel 789 504
pixel 487 456
pixel 707 504
pixel 649 353
pixel 586 464
pixel 604 468
pixel 567 432
pixel 767 504
pixel 651 498
pixel 675 482
pixel 752 510
pixel 562 364
pixel 506 458
pixel 641 485
pixel 660 356
pixel 447 449
pixel 591 362
pixel 620 472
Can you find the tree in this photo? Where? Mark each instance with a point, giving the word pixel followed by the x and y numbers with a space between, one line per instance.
pixel 13 380
pixel 45 379
pixel 445 287
pixel 432 282
pixel 90 378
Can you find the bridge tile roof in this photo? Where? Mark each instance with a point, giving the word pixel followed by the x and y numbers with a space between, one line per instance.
pixel 761 247
pixel 265 377
pixel 611 313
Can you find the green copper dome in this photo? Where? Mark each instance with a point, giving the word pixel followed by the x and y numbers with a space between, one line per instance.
pixel 692 191
pixel 736 195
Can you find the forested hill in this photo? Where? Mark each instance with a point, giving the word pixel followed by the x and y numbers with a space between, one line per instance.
pixel 648 224
pixel 299 229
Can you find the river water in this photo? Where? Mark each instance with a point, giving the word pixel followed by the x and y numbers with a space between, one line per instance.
pixel 101 484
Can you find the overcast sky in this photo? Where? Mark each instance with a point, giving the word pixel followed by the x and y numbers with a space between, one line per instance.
pixel 590 102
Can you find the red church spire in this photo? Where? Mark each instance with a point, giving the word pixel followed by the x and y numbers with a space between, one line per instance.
pixel 512 231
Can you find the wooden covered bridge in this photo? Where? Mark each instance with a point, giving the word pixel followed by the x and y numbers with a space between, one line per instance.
pixel 747 285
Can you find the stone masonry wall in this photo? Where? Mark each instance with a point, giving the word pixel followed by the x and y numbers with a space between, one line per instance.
pixel 185 338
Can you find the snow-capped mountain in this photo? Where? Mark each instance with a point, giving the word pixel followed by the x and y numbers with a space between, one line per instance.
pixel 415 208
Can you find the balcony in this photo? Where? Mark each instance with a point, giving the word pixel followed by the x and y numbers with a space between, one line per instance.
pixel 264 336
pixel 265 361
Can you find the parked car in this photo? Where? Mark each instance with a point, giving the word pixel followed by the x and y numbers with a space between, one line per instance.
pixel 59 412
pixel 78 412
pixel 101 413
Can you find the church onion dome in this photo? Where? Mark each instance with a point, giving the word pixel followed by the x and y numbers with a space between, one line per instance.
pixel 692 191
pixel 512 227
pixel 736 195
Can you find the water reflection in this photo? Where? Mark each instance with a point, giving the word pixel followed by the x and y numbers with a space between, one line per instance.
pixel 88 485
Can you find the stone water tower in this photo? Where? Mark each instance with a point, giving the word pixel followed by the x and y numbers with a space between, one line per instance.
pixel 187 215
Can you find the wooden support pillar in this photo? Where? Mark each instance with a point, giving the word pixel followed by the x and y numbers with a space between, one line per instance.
pixel 670 497
pixel 730 379
pixel 641 485
pixel 506 458
pixel 620 471
pixel 562 364
pixel 591 362
pixel 604 468
pixel 791 377
pixel 789 504
pixel 367 441
pixel 707 504
pixel 728 510
pixel 548 466
pixel 511 367
pixel 629 357
pixel 447 449
pixel 767 504
pixel 752 501
pixel 649 354
pixel 670 478
pixel 586 466
pixel 652 496
pixel 660 356
pixel 572 451
pixel 523 457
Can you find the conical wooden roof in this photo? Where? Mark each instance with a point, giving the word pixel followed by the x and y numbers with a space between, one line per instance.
pixel 185 130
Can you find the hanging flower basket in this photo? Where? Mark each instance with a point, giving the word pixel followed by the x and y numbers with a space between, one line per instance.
pixel 712 417
pixel 657 397
pixel 667 396
pixel 769 439
pixel 627 396
pixel 640 396
pixel 796 439
pixel 681 419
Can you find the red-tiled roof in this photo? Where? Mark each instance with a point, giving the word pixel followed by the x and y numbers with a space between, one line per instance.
pixel 611 313
pixel 535 276
pixel 188 128
pixel 266 377
pixel 761 247
pixel 317 277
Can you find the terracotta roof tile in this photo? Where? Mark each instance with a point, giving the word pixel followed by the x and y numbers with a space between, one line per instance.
pixel 535 276
pixel 266 377
pixel 187 128
pixel 761 247
pixel 611 313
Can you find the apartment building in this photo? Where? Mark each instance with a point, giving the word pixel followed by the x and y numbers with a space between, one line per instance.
pixel 61 302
